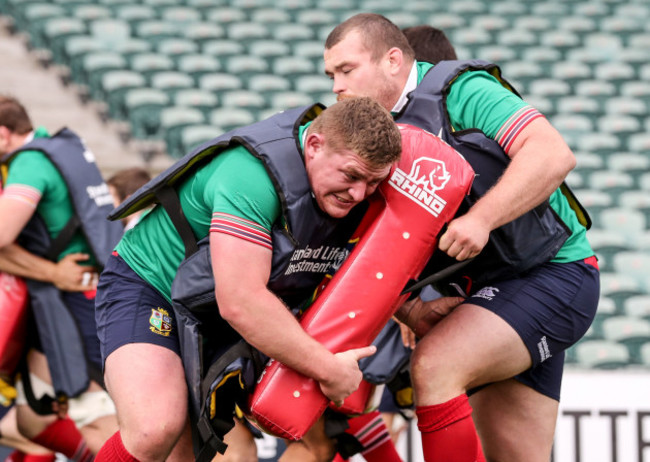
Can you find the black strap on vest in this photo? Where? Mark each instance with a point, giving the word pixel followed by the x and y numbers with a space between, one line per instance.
pixel 42 406
pixel 209 429
pixel 168 197
pixel 61 241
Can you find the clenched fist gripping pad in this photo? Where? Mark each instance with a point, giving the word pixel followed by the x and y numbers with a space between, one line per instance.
pixel 395 239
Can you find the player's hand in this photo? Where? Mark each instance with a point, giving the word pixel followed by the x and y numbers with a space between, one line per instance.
pixel 422 316
pixel 465 237
pixel 408 336
pixel 348 376
pixel 72 277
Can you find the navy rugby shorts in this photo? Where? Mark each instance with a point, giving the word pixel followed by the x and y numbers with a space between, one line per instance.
pixel 551 307
pixel 130 310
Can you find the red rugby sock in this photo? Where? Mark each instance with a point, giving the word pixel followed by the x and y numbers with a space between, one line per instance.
pixel 114 451
pixel 39 458
pixel 448 432
pixel 64 437
pixel 371 431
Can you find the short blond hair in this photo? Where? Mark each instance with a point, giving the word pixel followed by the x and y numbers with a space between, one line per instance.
pixel 362 125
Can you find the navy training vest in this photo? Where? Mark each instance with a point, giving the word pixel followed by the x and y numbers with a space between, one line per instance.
pixel 530 240
pixel 92 201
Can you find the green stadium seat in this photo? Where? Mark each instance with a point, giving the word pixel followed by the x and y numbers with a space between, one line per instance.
pixel 570 71
pixel 575 179
pixel 193 136
pixel 626 221
pixel 269 49
pixel 246 99
pixel 611 181
pixel 639 142
pixel 632 10
pixel 644 353
pixel 594 200
pixel 219 82
pixel 30 17
pixel 630 331
pixel 618 124
pixel 468 7
pixel 549 88
pixel 293 66
pixel 55 32
pixel 313 84
pixel 289 99
pixel 155 30
pixel 598 143
pixel 247 31
pixel 636 200
pixel 182 16
pixel 637 306
pixel 601 354
pixel 203 100
pixel 265 84
pixel 572 124
pixel 560 40
pixel 606 243
pixel 635 57
pixel 552 9
pixel 377 6
pixel 490 22
pixel 148 64
pixel 447 22
pixel 588 161
pixel 579 105
pixel 172 120
pixel 110 31
pixel 316 17
pixel 251 4
pixel 497 54
pixel 114 84
pixel 616 72
pixel 95 65
pixel 171 81
pixel 143 107
pixel 608 45
pixel 541 55
pixel 403 19
pixel 576 24
pixel 224 15
pixel 622 26
pixel 223 49
pixel 90 12
pixel 198 65
pixel 229 118
pixel 470 37
pixel 508 9
pixel 246 65
pixel 176 48
pixel 134 14
pixel 131 46
pixel 593 10
pixel 626 105
pixel 634 264
pixel 205 5
pixel 534 23
pixel 598 90
pixel 75 48
pixel 292 32
pixel 159 3
pixel 640 40
pixel 312 49
pixel 271 16
pixel 203 32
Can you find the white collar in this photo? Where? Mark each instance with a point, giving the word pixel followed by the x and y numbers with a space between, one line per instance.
pixel 29 137
pixel 411 84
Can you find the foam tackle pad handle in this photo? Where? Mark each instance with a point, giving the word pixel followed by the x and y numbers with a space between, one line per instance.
pixel 396 238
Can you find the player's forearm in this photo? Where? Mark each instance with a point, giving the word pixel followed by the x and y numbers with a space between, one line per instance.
pixel 269 326
pixel 17 261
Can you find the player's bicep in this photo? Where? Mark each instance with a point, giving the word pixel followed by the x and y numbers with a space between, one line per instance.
pixel 17 205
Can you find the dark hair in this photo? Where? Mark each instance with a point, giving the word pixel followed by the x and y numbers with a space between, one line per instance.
pixel 14 116
pixel 128 181
pixel 430 44
pixel 378 33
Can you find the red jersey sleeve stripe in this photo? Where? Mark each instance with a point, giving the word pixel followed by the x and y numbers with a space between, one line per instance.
pixel 23 193
pixel 248 231
pixel 514 125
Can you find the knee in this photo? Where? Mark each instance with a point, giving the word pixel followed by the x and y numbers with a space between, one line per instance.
pixel 151 440
pixel 424 367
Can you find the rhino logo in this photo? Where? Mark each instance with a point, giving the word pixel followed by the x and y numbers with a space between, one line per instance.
pixel 430 174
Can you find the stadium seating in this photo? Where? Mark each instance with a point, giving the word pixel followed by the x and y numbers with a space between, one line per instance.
pixel 212 65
